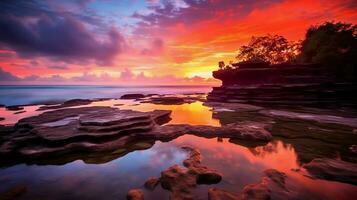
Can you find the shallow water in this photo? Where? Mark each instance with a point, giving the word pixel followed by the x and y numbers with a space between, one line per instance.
pixel 102 178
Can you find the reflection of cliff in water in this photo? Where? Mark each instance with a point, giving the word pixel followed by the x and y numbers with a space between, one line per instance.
pixel 309 139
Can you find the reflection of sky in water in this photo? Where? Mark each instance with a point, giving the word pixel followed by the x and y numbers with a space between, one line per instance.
pixel 194 113
pixel 238 164
pixel 92 181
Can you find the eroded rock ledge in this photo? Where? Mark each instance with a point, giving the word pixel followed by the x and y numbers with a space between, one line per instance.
pixel 71 131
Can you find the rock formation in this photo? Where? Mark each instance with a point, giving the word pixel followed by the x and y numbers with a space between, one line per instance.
pixel 132 96
pixel 181 181
pixel 281 84
pixel 333 170
pixel 69 133
pixel 135 194
pixel 66 104
pixel 14 108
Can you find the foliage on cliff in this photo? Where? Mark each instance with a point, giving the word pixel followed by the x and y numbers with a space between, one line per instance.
pixel 331 45
pixel 270 48
pixel 335 46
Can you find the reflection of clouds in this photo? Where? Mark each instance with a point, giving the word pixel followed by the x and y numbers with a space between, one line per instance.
pixel 96 181
pixel 237 163
pixel 272 147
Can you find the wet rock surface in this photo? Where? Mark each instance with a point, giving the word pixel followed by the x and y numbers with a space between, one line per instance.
pixel 173 100
pixel 135 194
pixel 14 108
pixel 69 133
pixel 151 183
pixel 19 112
pixel 334 170
pixel 66 104
pixel 87 129
pixel 132 96
pixel 318 95
pixel 101 134
pixel 182 181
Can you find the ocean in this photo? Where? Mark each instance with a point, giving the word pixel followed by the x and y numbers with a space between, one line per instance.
pixel 37 94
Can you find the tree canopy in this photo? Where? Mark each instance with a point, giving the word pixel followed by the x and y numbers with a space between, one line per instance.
pixel 332 45
pixel 270 48
pixel 335 46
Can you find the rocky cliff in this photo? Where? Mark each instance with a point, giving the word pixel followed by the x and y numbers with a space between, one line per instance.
pixel 262 83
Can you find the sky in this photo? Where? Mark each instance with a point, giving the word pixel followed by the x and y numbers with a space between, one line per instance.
pixel 139 42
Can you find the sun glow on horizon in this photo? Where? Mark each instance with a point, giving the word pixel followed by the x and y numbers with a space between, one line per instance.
pixel 145 41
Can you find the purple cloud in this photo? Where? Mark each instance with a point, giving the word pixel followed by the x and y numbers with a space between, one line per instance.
pixel 62 36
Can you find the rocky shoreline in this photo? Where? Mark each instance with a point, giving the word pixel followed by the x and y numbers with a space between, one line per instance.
pixel 99 134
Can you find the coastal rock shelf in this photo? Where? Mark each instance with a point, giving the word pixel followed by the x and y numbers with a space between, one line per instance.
pixel 76 129
pixel 66 133
pixel 282 84
pixel 308 94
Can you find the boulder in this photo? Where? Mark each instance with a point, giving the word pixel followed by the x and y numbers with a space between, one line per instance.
pixel 135 194
pixel 181 181
pixel 151 183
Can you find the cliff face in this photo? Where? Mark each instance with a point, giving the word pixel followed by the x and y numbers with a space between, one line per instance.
pixel 261 74
pixel 281 84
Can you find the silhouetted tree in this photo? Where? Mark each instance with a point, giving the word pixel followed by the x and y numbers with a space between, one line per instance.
pixel 269 48
pixel 335 46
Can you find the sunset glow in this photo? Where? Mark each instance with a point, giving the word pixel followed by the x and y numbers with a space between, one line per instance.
pixel 168 42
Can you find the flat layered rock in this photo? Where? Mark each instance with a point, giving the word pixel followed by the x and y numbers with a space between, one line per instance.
pixel 14 108
pixel 66 104
pixel 77 129
pixel 68 132
pixel 173 100
pixel 132 96
pixel 333 170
